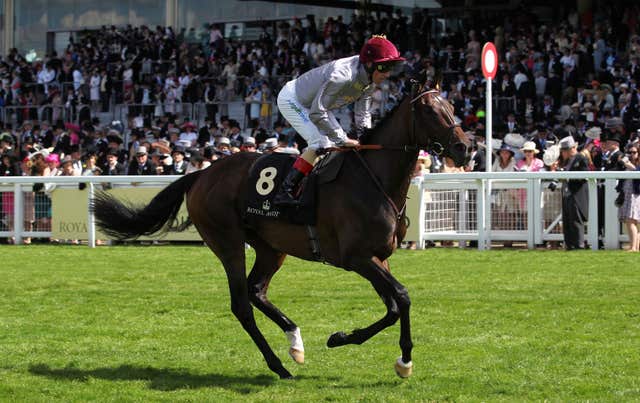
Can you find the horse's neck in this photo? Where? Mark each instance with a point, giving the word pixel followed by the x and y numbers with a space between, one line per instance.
pixel 393 167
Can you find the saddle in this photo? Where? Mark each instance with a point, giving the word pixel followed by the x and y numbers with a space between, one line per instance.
pixel 266 176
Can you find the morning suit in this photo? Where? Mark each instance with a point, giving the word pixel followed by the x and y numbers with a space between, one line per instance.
pixel 575 204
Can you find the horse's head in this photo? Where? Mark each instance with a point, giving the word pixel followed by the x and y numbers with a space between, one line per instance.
pixel 436 128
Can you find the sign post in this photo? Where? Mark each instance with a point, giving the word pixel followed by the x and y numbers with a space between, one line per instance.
pixel 489 70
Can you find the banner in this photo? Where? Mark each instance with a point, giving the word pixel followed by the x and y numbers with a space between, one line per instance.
pixel 70 213
pixel 413 212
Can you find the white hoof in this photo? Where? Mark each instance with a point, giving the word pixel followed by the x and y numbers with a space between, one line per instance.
pixel 297 355
pixel 403 370
pixel 296 351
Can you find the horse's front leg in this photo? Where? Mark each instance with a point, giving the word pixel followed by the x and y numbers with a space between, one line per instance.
pixel 396 298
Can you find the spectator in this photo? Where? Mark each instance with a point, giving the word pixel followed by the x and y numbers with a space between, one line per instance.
pixel 113 166
pixel 629 199
pixel 575 196
pixel 179 164
pixel 141 165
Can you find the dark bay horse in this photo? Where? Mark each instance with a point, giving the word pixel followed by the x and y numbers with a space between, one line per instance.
pixel 359 221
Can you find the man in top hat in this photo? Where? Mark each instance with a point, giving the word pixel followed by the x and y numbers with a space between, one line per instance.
pixel 575 195
pixel 141 165
pixel 612 154
pixel 179 164
pixel 113 166
pixel 235 135
pixel 6 142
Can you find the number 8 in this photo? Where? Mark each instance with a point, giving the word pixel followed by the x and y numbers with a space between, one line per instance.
pixel 265 184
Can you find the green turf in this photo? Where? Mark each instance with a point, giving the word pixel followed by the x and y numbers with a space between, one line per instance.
pixel 154 324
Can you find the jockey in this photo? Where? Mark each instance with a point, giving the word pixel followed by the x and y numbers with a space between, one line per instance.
pixel 307 101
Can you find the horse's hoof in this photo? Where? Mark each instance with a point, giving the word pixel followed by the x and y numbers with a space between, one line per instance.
pixel 337 339
pixel 403 370
pixel 297 355
pixel 284 374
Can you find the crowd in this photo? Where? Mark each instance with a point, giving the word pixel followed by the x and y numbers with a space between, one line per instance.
pixel 577 76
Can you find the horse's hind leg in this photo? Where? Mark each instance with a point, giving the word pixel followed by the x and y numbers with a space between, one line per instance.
pixel 232 256
pixel 268 261
pixel 396 298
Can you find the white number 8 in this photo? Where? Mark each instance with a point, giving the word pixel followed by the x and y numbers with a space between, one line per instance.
pixel 265 184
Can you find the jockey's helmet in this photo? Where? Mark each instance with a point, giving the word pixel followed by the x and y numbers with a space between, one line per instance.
pixel 381 53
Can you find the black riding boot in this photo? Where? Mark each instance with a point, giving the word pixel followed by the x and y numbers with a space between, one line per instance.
pixel 286 193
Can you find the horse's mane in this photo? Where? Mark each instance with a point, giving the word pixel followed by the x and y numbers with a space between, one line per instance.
pixel 365 138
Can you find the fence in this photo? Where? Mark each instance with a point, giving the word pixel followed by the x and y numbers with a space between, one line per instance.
pixel 450 207
pixel 196 112
pixel 520 207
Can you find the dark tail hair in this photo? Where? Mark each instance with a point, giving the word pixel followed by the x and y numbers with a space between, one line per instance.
pixel 123 220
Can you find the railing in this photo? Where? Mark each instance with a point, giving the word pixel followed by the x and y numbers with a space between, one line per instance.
pixel 12 114
pixel 520 207
pixel 447 206
pixel 20 204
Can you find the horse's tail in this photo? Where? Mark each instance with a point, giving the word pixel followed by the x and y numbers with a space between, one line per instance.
pixel 125 220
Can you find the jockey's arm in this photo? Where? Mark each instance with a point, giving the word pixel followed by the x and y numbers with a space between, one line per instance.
pixel 321 115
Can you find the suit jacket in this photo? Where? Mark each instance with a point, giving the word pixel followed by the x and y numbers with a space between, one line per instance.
pixel 613 162
pixel 149 168
pixel 118 169
pixel 576 190
pixel 179 169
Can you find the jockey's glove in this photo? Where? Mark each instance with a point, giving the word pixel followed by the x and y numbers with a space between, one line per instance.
pixel 338 137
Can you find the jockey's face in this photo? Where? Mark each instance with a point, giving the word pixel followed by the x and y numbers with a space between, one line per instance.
pixel 378 77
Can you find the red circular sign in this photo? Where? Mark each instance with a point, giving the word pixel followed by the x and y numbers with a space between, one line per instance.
pixel 489 61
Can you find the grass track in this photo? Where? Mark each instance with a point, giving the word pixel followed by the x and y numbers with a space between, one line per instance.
pixel 153 324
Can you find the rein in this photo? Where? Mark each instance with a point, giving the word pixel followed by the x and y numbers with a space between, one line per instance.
pixel 414 147
pixel 398 212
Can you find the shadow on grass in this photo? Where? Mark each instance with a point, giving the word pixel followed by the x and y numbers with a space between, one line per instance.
pixel 158 378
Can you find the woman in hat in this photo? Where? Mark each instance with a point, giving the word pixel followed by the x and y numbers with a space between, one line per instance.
pixel 505 161
pixel 530 163
pixel 307 103
pixel 506 200
pixel 629 209
pixel 8 167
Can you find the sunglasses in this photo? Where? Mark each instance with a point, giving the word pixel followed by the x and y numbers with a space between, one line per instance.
pixel 385 67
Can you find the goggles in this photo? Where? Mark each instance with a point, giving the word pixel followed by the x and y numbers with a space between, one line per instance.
pixel 386 67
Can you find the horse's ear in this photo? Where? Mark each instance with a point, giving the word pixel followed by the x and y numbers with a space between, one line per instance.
pixel 438 78
pixel 415 87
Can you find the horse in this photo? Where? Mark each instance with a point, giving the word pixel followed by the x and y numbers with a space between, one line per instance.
pixel 359 221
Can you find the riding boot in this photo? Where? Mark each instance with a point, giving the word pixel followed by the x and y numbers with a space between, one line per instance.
pixel 286 194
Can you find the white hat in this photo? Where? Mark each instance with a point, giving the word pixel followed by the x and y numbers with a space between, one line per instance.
pixel 593 133
pixel 514 140
pixel 551 155
pixel 224 140
pixel 249 140
pixel 529 146
pixel 567 143
pixel 141 150
pixel 271 142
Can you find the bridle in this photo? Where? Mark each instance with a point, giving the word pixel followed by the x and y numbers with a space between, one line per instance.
pixel 431 146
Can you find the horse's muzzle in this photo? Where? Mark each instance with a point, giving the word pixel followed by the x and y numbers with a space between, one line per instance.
pixel 459 153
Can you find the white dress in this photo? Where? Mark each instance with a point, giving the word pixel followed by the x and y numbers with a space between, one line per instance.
pixel 94 84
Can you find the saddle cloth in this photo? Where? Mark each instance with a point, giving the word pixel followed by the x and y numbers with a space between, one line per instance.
pixel 265 178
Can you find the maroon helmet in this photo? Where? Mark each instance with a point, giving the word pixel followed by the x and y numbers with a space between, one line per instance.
pixel 379 49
